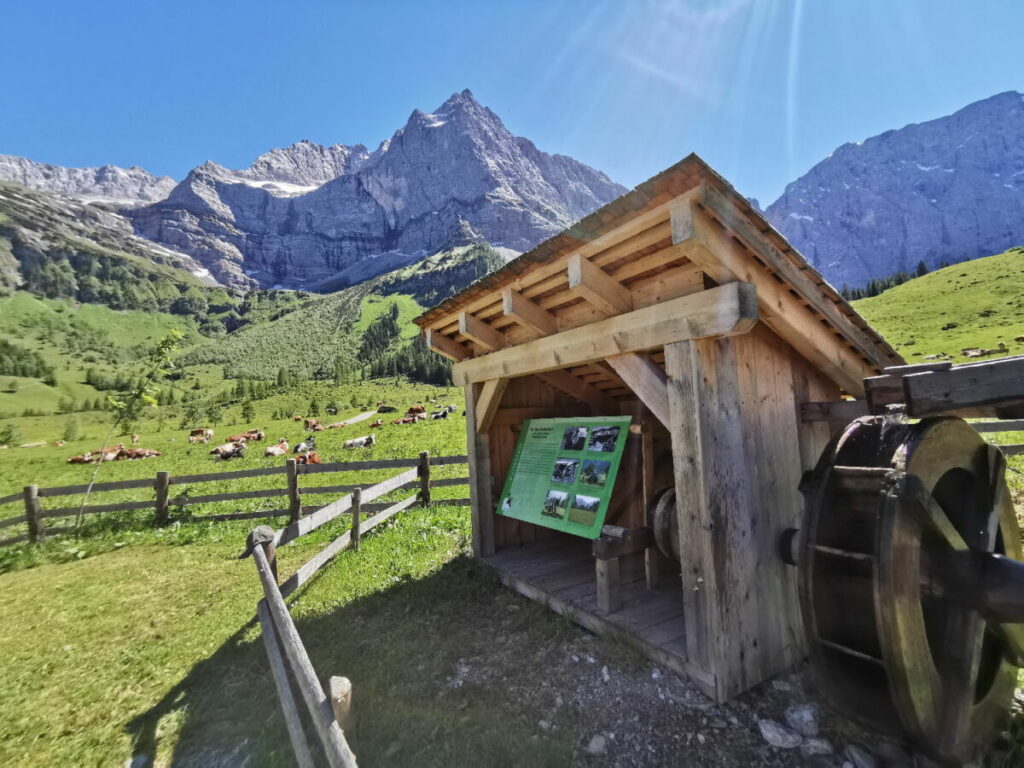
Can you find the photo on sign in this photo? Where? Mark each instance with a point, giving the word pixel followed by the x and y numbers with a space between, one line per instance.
pixel 603 439
pixel 565 470
pixel 595 472
pixel 555 504
pixel 574 439
pixel 506 505
pixel 584 509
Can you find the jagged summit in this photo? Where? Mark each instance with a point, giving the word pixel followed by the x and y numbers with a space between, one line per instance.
pixel 944 190
pixel 107 183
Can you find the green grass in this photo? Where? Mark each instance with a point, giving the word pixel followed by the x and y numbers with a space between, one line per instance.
pixel 984 298
pixel 374 305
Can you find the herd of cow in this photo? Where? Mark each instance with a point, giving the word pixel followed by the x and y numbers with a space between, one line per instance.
pixel 305 452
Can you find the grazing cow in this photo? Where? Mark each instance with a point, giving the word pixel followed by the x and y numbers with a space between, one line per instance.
pixel 317 428
pixel 82 458
pixel 203 433
pixel 386 409
pixel 281 449
pixel 366 441
pixel 337 425
pixel 58 443
pixel 238 438
pixel 380 403
pixel 309 444
pixel 420 417
pixel 138 453
pixel 229 451
pixel 38 444
pixel 296 418
pixel 439 415
pixel 310 423
pixel 308 458
pixel 377 423
pixel 111 454
pixel 332 411
pixel 414 409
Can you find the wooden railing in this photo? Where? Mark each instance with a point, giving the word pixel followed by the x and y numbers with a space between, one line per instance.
pixel 1006 425
pixel 36 518
pixel 330 708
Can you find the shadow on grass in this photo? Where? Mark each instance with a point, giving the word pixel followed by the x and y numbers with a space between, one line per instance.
pixel 448 669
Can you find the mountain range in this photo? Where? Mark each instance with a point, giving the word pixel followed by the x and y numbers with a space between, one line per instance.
pixel 325 217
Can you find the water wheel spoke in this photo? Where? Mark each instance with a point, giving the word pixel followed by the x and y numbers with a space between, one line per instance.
pixel 934 516
pixel 965 632
pixel 998 489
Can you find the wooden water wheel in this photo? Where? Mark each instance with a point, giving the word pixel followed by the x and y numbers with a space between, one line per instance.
pixel 910 581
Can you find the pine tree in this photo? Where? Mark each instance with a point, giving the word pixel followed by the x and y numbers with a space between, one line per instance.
pixel 248 411
pixel 922 268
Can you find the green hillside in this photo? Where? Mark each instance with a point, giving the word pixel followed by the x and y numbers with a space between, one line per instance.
pixel 973 304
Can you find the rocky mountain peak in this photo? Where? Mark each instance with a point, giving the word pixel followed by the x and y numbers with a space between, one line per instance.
pixel 107 183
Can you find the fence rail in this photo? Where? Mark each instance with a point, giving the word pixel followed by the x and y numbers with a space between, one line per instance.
pixel 35 516
pixel 330 709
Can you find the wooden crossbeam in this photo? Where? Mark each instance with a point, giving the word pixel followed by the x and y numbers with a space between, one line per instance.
pixel 601 403
pixel 488 402
pixel 446 346
pixel 475 329
pixel 592 283
pixel 527 313
pixel 726 310
pixel 646 380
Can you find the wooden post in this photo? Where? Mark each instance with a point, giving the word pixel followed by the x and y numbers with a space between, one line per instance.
pixel 357 504
pixel 480 491
pixel 162 484
pixel 424 478
pixel 652 557
pixel 294 499
pixel 340 691
pixel 609 592
pixel 33 514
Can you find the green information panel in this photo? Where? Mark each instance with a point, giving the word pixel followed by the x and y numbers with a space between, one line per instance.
pixel 563 473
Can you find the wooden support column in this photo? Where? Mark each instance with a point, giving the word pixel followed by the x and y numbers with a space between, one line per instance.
pixel 609 586
pixel 488 402
pixel 480 492
pixel 714 504
pixel 593 284
pixel 527 313
pixel 647 381
pixel 652 557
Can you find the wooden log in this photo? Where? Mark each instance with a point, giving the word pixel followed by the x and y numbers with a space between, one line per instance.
pixel 488 402
pixel 21 518
pixel 646 380
pixel 481 333
pixel 424 472
pixel 13 540
pixel 594 285
pixel 292 721
pixel 527 313
pixel 294 499
pixel 997 382
pixel 357 514
pixel 317 702
pixel 11 498
pixel 445 346
pixel 838 411
pixel 162 486
pixel 631 541
pixel 340 689
pixel 609 586
pixel 33 513
pixel 723 311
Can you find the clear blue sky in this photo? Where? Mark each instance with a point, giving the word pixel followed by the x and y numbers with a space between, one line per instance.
pixel 761 89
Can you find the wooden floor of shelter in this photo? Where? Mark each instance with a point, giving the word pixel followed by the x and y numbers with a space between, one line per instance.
pixel 559 572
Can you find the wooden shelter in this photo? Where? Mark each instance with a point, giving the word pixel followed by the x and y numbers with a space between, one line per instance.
pixel 680 305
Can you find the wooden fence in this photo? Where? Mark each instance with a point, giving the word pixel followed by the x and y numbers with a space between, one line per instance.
pixel 329 707
pixel 37 518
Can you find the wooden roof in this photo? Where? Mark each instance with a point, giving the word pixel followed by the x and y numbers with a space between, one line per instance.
pixel 729 211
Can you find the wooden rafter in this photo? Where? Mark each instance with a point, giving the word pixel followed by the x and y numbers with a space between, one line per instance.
pixel 592 283
pixel 527 313
pixel 480 332
pixel 599 402
pixel 446 346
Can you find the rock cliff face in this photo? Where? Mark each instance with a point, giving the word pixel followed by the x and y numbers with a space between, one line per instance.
pixel 307 215
pixel 946 190
pixel 109 183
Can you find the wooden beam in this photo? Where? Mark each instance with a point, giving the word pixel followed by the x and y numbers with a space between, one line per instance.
pixel 593 284
pixel 739 225
pixel 997 382
pixel 477 330
pixel 724 259
pixel 723 311
pixel 528 314
pixel 600 403
pixel 840 410
pixel 480 484
pixel 646 380
pixel 488 402
pixel 446 346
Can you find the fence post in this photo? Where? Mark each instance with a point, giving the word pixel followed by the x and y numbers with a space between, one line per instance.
pixel 162 484
pixel 33 516
pixel 340 691
pixel 294 499
pixel 357 504
pixel 424 474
